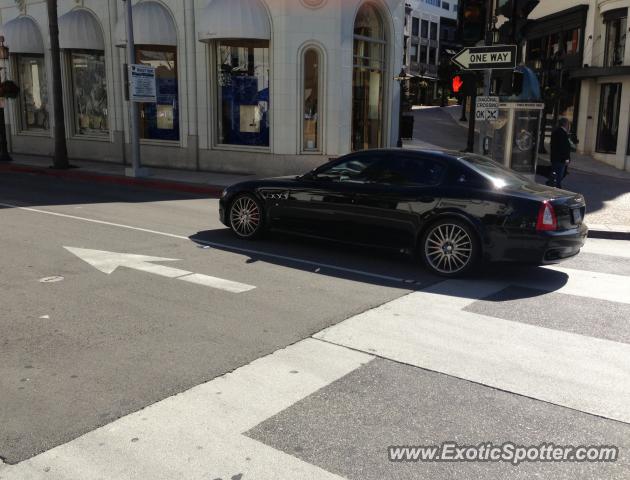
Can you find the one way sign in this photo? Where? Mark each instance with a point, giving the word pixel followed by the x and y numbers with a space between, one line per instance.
pixel 481 58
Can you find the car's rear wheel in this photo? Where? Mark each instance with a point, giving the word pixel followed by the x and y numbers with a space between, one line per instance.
pixel 450 248
pixel 246 216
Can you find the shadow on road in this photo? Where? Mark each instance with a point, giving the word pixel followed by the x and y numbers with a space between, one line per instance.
pixel 368 265
pixel 34 190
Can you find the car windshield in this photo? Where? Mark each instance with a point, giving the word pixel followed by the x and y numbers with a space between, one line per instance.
pixel 499 175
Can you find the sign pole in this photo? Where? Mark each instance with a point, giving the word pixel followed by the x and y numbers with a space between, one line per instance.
pixel 470 146
pixel 136 169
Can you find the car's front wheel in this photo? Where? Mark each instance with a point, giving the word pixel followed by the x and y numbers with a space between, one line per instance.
pixel 246 216
pixel 450 248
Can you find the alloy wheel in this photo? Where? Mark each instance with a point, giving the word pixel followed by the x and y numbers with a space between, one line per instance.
pixel 245 217
pixel 448 248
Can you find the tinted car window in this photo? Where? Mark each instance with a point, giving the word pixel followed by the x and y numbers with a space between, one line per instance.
pixel 499 175
pixel 351 169
pixel 406 170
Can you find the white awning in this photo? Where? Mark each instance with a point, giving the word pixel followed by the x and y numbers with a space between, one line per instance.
pixel 222 19
pixel 152 25
pixel 22 35
pixel 81 30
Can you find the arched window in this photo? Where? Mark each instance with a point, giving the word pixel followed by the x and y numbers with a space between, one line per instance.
pixel 368 79
pixel 311 100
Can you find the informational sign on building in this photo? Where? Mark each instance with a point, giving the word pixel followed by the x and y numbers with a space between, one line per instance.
pixel 142 87
pixel 487 108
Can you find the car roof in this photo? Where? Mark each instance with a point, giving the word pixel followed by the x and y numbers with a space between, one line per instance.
pixel 431 153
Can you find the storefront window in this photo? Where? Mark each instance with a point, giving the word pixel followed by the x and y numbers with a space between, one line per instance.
pixel 368 79
pixel 616 28
pixel 608 125
pixel 160 121
pixel 311 101
pixel 89 88
pixel 243 89
pixel 33 92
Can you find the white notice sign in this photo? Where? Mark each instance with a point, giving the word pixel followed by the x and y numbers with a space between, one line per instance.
pixel 142 84
pixel 487 108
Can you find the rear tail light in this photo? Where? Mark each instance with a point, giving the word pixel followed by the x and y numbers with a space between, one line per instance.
pixel 547 219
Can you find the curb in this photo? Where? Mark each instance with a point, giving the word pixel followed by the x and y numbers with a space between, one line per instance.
pixel 610 232
pixel 183 187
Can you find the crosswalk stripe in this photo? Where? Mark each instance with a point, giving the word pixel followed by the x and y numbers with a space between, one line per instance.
pixel 422 329
pixel 603 286
pixel 199 433
pixel 614 248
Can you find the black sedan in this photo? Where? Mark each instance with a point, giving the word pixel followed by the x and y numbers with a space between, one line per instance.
pixel 453 209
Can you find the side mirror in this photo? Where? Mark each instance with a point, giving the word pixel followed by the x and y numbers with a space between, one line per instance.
pixel 308 176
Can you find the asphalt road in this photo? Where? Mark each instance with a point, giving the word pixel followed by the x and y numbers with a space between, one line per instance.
pixel 82 349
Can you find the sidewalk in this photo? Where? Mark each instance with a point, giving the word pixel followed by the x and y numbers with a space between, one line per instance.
pixel 187 181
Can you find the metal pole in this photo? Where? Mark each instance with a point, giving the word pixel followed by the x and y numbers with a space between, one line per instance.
pixel 399 144
pixel 470 147
pixel 4 148
pixel 136 169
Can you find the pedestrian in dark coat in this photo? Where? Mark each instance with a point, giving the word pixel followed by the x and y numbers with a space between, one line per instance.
pixel 560 151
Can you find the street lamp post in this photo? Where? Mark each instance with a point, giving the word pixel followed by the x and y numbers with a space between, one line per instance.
pixel 402 76
pixel 4 148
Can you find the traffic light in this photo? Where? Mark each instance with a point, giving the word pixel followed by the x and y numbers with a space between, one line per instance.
pixel 516 13
pixel 465 83
pixel 457 84
pixel 472 21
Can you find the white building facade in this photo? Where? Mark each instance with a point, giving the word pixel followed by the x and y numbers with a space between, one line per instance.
pixel 603 110
pixel 256 86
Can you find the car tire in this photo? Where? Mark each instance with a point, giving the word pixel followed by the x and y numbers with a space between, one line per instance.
pixel 245 217
pixel 450 248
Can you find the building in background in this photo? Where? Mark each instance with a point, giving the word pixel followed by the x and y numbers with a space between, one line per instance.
pixel 582 55
pixel 258 86
pixel 426 21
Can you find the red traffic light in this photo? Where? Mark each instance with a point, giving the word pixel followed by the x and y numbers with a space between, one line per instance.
pixel 457 83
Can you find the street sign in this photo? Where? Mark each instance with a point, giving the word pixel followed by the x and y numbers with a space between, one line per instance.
pixel 108 262
pixel 482 58
pixel 487 108
pixel 142 86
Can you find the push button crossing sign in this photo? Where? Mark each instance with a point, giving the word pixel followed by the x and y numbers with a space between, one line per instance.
pixel 487 108
pixel 491 57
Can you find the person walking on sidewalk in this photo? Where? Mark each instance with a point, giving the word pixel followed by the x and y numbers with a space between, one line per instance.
pixel 560 151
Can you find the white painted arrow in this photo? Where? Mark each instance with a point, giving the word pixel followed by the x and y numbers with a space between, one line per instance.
pixel 108 262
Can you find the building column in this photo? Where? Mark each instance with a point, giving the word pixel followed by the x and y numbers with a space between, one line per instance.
pixel 191 81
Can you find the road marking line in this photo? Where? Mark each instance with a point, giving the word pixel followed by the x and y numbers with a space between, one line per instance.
pixel 199 433
pixel 216 282
pixel 613 248
pixel 247 251
pixel 588 374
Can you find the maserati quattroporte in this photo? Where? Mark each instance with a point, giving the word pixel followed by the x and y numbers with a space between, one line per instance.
pixel 453 209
